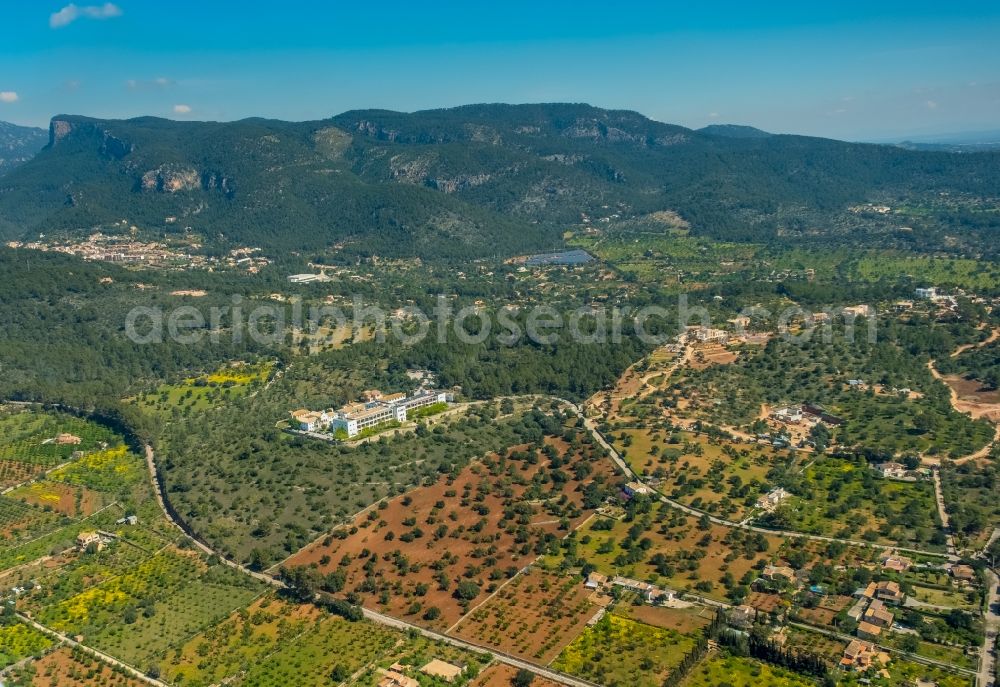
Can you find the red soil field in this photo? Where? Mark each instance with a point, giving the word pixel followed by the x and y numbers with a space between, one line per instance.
pixel 480 527
pixel 534 617
pixel 502 675
pixel 61 667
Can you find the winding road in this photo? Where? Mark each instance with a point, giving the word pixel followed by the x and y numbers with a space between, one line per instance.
pixel 631 474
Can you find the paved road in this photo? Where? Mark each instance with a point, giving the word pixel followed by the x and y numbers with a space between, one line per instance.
pixel 844 638
pixel 600 439
pixel 100 655
pixel 500 656
pixel 168 514
pixel 991 621
pixel 371 615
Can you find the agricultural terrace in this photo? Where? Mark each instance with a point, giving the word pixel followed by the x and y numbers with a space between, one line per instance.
pixel 196 394
pixel 244 639
pixel 656 248
pixel 413 652
pixel 685 620
pixel 20 521
pixel 621 651
pixel 333 644
pixel 904 673
pixel 272 641
pixel 712 474
pixel 722 669
pixel 33 441
pixel 259 495
pixel 534 617
pixel 502 675
pixel 813 372
pixel 18 641
pixel 446 545
pixel 970 491
pixel 847 499
pixel 139 614
pixel 93 488
pixel 66 666
pixel 669 548
pixel 65 499
pixel 89 473
pixel 631 398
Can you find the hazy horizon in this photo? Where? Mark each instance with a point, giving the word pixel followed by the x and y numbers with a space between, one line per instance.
pixel 856 72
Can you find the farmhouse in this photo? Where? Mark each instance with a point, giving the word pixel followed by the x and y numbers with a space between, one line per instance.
pixel 392 678
pixel 858 311
pixel 963 573
pixel 771 499
pixel 891 470
pixel 85 540
pixel 596 580
pixel 885 591
pixel 68 439
pixel 788 414
pixel 652 593
pixel 636 489
pixel 868 631
pixel 861 656
pixel 929 293
pixel 821 415
pixel 877 614
pixel 309 278
pixel 898 564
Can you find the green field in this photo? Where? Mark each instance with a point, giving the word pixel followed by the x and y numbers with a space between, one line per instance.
pixel 742 672
pixel 621 651
pixel 28 436
pixel 847 499
pixel 194 606
pixel 197 394
pixel 18 641
pixel 332 642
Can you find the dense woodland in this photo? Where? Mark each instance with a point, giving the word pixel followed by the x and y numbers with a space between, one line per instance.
pixel 480 180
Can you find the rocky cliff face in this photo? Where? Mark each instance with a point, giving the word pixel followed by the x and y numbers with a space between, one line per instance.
pixel 109 145
pixel 175 178
pixel 18 144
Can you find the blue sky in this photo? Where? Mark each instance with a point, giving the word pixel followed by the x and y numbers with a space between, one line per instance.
pixel 859 71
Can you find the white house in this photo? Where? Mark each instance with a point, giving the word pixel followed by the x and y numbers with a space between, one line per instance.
pixel 891 470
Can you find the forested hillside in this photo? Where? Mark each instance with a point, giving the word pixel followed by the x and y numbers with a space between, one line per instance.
pixel 18 144
pixel 480 180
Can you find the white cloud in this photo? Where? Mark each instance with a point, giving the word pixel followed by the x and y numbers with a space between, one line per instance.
pixel 140 84
pixel 71 12
pixel 931 104
pixel 8 97
pixel 182 109
pixel 713 115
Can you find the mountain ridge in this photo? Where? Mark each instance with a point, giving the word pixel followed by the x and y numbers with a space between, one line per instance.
pixel 471 181
pixel 18 144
